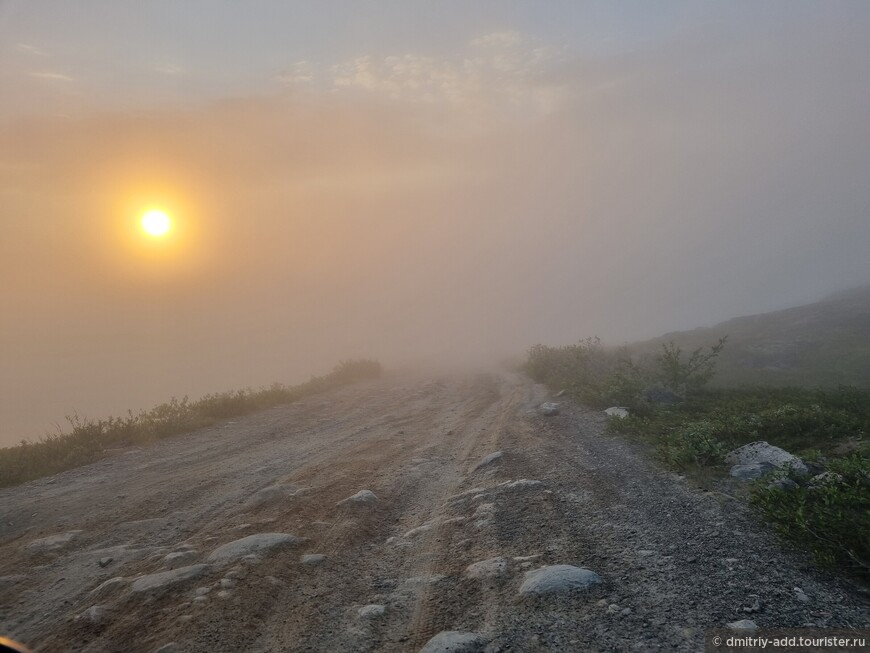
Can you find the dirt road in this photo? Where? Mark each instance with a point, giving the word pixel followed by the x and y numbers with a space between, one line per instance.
pixel 671 560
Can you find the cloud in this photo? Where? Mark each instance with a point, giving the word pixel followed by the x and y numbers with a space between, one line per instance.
pixel 52 76
pixel 31 49
pixel 497 72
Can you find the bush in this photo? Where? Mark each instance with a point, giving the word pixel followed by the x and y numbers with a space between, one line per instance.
pixel 831 517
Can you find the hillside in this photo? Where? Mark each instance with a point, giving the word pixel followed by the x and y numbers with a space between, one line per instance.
pixel 824 343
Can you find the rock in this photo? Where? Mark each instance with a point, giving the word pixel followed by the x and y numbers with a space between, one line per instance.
pixel 801 595
pixel 454 641
pixel 762 452
pixel 53 542
pixel 784 484
pixel 105 562
pixel 371 611
pixel 109 587
pixel 313 559
pixel 521 483
pixel 489 459
pixel 486 569
pixel 558 579
pixel 743 624
pixel 259 543
pixel 613 608
pixel 414 532
pixel 549 409
pixel 625 612
pixel 228 583
pixel 96 614
pixel 826 478
pixel 165 579
pixel 362 498
pixel 751 471
pixel 202 591
pixel 616 411
pixel 180 559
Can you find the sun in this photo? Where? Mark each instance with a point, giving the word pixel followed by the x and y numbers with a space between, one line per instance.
pixel 156 223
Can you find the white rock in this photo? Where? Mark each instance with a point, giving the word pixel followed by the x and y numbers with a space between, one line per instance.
pixel 485 569
pixel 522 483
pixel 313 559
pixel 489 459
pixel 53 542
pixel 259 543
pixel 360 499
pixel 549 409
pixel 617 411
pixel 762 452
pixel 372 611
pixel 180 559
pixel 454 641
pixel 164 579
pixel 743 624
pixel 558 579
pixel 414 532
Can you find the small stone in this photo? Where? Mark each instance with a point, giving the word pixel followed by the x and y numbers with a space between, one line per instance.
pixel 228 583
pixel 313 559
pixel 558 579
pixel 371 611
pixel 224 594
pixel 487 569
pixel 453 641
pixel 105 562
pixel 200 600
pixel 360 499
pixel 159 581
pixel 202 591
pixel 743 624
pixel 625 612
pixel 259 543
pixel 96 614
pixel 801 595
pixel 489 459
pixel 616 411
pixel 549 409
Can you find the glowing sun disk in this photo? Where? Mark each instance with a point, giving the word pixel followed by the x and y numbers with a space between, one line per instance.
pixel 156 223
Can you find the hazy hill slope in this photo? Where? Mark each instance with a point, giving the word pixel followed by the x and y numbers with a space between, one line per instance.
pixel 824 343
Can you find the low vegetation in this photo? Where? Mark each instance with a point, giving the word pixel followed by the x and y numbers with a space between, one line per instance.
pixel 88 440
pixel 692 427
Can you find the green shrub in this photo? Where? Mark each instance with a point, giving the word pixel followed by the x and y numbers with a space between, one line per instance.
pixel 831 518
pixel 695 444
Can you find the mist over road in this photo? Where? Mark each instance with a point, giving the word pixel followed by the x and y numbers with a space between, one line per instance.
pixel 399 565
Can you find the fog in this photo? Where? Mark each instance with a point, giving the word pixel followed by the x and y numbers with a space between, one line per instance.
pixel 448 209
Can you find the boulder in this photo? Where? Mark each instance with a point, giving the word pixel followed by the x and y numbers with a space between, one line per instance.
pixel 165 579
pixel 762 452
pixel 616 411
pixel 826 478
pixel 259 543
pixel 454 641
pixel 558 579
pixel 549 409
pixel 751 471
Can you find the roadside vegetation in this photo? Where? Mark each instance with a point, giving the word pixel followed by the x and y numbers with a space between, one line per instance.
pixel 692 427
pixel 88 440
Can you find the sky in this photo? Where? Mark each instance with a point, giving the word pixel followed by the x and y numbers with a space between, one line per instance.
pixel 422 182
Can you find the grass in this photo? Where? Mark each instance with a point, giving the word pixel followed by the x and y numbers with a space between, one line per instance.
pixel 88 440
pixel 827 427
